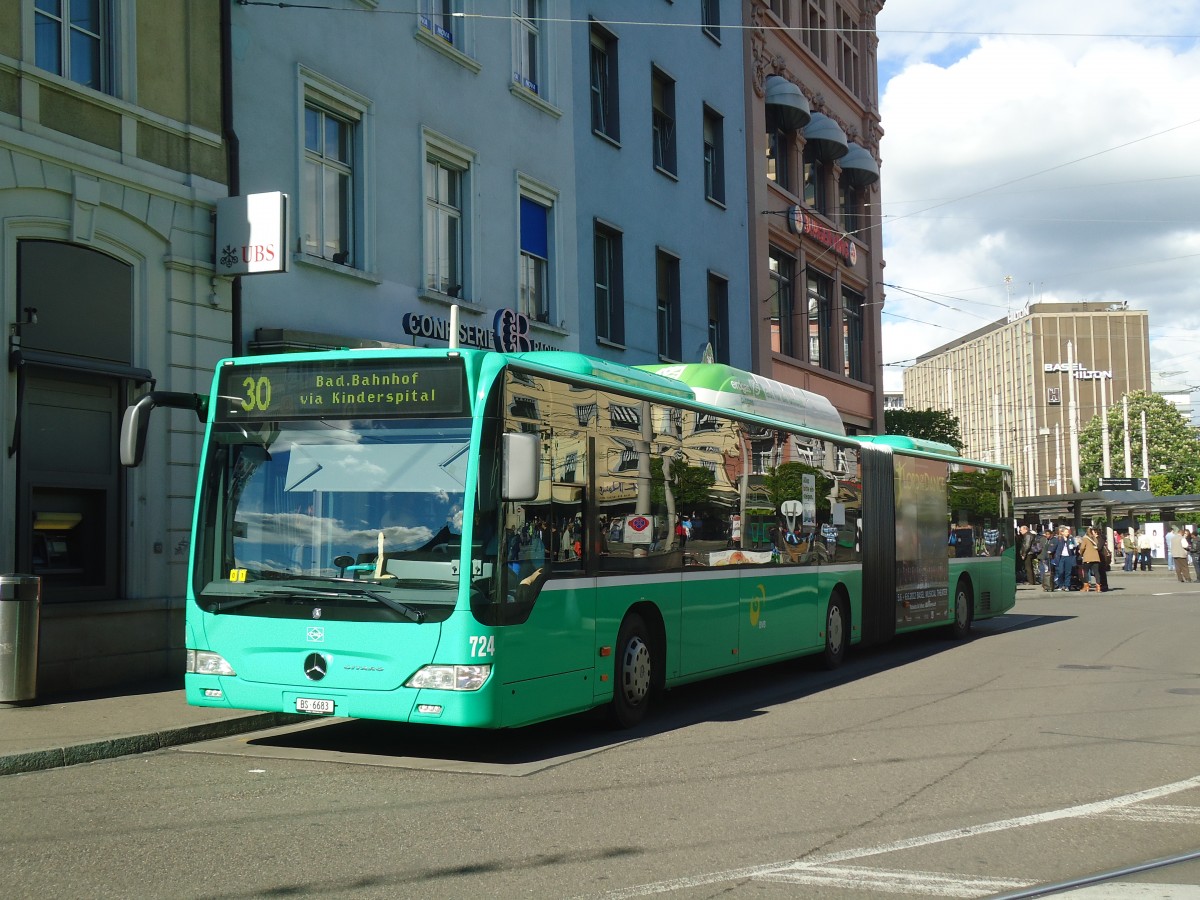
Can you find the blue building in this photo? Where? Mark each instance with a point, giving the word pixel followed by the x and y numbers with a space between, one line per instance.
pixel 525 160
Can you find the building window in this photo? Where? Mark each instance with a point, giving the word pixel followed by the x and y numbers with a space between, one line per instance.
pixel 328 187
pixel 73 38
pixel 814 181
pixel 527 44
pixel 852 334
pixel 443 227
pixel 710 18
pixel 779 160
pixel 782 302
pixel 662 90
pixel 335 197
pixel 718 317
pixel 820 320
pixel 714 156
pixel 667 293
pixel 813 27
pixel 533 290
pixel 610 290
pixel 448 168
pixel 853 220
pixel 782 10
pixel 438 16
pixel 847 51
pixel 605 119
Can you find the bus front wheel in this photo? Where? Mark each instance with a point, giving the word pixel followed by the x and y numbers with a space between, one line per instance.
pixel 836 632
pixel 633 671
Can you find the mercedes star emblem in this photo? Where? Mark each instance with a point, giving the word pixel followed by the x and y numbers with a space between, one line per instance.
pixel 314 667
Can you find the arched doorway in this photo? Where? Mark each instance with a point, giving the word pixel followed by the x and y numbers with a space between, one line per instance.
pixel 74 364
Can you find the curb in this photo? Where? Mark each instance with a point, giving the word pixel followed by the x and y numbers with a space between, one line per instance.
pixel 128 745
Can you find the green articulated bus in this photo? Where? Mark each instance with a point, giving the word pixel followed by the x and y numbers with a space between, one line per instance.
pixel 485 539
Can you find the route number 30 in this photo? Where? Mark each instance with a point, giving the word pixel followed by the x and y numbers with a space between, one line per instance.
pixel 258 393
pixel 483 645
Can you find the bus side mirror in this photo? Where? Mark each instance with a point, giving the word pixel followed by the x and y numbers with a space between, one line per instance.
pixel 137 420
pixel 522 455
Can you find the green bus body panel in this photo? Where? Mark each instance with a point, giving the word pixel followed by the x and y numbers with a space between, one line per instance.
pixel 562 659
pixel 552 665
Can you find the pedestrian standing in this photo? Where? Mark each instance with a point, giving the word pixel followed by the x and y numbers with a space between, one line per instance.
pixel 1089 546
pixel 1130 549
pixel 1145 542
pixel 1106 558
pixel 1179 549
pixel 1032 553
pixel 1024 546
pixel 1064 558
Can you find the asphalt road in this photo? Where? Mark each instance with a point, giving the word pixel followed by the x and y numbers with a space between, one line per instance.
pixel 1061 742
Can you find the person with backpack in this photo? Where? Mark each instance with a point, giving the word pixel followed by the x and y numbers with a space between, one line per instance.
pixel 1045 566
pixel 1033 551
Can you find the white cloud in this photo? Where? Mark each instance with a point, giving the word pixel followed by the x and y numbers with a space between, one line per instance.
pixel 1069 163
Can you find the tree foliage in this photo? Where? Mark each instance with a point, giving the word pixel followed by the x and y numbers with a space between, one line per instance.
pixel 930 424
pixel 691 486
pixel 786 482
pixel 1174 452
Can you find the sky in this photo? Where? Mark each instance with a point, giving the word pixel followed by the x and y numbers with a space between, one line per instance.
pixel 1036 151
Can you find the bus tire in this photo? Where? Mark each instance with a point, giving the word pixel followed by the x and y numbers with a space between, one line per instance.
pixel 633 672
pixel 964 612
pixel 837 631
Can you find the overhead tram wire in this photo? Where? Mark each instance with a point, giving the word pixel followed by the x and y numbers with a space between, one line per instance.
pixel 508 17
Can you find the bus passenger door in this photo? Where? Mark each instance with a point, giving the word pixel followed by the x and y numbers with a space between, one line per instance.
pixel 545 660
pixel 709 626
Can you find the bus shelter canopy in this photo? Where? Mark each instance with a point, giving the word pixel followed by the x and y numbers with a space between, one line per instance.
pixel 1080 508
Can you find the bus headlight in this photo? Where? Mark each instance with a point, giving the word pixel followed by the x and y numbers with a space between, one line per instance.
pixel 450 678
pixel 205 662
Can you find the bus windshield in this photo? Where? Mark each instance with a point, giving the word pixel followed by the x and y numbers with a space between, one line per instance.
pixel 319 503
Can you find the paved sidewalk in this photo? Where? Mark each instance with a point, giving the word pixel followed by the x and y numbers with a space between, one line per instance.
pixel 66 730
pixel 71 729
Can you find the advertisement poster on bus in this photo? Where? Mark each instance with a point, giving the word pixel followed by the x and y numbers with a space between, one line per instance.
pixel 922 568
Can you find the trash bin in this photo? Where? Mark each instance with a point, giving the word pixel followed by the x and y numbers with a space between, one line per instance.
pixel 20 601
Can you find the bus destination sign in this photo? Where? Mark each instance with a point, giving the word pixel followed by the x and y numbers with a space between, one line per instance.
pixel 352 389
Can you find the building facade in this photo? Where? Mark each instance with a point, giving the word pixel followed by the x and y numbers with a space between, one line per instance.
pixel 549 174
pixel 660 187
pixel 816 261
pixel 111 161
pixel 563 183
pixel 1012 384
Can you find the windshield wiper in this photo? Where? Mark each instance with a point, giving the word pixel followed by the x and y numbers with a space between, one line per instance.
pixel 409 612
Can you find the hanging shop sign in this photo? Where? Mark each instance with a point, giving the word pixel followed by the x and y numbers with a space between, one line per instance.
pixel 804 223
pixel 251 234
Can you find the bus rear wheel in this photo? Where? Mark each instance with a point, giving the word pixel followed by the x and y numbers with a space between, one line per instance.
pixel 836 632
pixel 633 672
pixel 964 612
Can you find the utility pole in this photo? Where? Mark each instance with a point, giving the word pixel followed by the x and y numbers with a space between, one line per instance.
pixel 1072 420
pixel 1104 431
pixel 1125 422
pixel 1145 449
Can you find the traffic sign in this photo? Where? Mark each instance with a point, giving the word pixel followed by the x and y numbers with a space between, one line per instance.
pixel 1124 484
